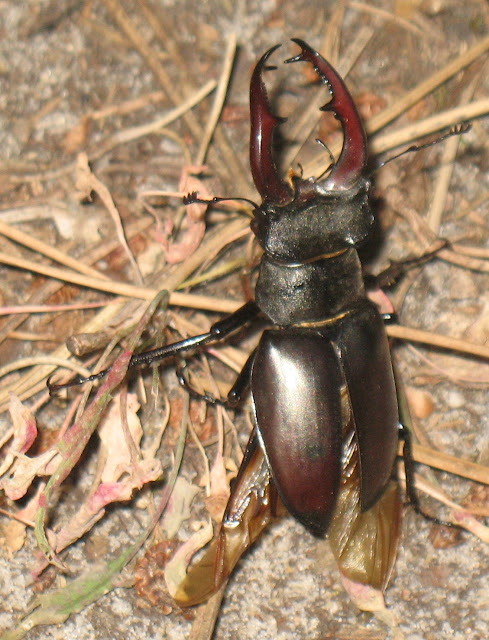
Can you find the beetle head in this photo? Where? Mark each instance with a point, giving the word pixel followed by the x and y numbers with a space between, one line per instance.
pixel 303 219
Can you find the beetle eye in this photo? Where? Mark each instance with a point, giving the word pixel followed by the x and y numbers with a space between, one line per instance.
pixel 272 213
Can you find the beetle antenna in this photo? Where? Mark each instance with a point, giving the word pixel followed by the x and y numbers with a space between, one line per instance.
pixel 193 197
pixel 457 130
pixel 330 154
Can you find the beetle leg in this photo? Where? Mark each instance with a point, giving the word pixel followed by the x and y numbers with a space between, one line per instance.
pixel 252 506
pixel 263 123
pixel 353 159
pixel 411 493
pixel 218 331
pixel 236 392
pixel 398 268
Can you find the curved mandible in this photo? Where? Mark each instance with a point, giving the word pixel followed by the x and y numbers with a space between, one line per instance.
pixel 263 122
pixel 353 158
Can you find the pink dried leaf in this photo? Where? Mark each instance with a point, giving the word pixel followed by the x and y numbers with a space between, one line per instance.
pixel 93 509
pixel 381 300
pixel 189 183
pixel 24 470
pixel 115 449
pixel 28 513
pixel 364 596
pixel 75 440
pixel 24 431
pixel 176 252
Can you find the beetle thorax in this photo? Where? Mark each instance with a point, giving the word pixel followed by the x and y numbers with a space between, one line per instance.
pixel 291 294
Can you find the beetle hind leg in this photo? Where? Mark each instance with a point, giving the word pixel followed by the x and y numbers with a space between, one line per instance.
pixel 411 492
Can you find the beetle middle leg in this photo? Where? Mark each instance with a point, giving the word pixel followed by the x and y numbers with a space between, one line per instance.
pixel 218 331
pixel 235 394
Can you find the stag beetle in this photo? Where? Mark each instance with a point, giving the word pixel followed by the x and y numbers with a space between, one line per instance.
pixel 322 386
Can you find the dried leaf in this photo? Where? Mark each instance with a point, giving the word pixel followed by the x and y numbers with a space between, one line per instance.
pixel 24 470
pixel 12 537
pixel 217 500
pixel 94 508
pixel 149 576
pixel 368 598
pixel 116 449
pixel 178 507
pixel 176 569
pixel 195 219
pixel 420 402
pixel 124 470
pixel 24 431
pixel 76 138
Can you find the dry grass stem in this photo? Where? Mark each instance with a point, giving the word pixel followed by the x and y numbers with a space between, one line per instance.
pixel 386 16
pixel 451 464
pixel 443 179
pixel 206 481
pixel 231 165
pixel 41 247
pixel 50 308
pixel 219 98
pixel 128 106
pixel 427 86
pixel 121 288
pixel 427 126
pixel 206 617
pixel 332 32
pixel 22 363
pixel 454 255
pixel 135 133
pixel 437 340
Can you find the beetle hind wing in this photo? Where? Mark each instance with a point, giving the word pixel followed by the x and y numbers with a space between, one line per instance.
pixel 253 505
